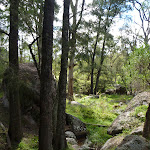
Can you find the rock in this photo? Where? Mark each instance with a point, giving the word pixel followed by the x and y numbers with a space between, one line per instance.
pixel 70 134
pixel 121 90
pixel 140 99
pixel 29 86
pixel 112 142
pixel 126 120
pixel 77 126
pixel 71 141
pixel 76 103
pixel 78 95
pixel 141 115
pixel 110 91
pixel 118 89
pixel 92 96
pixel 134 142
pixel 75 147
pixel 138 130
pixel 87 145
pixel 84 147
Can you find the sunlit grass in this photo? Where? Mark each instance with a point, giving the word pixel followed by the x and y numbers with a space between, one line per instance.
pixel 98 111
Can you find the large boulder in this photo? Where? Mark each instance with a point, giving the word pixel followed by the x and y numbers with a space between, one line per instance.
pixel 76 126
pixel 129 142
pixel 134 142
pixel 29 87
pixel 118 89
pixel 112 142
pixel 127 120
pixel 110 91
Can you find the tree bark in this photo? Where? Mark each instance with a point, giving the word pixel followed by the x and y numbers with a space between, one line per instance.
pixel 93 58
pixel 15 128
pixel 101 63
pixel 46 100
pixel 73 45
pixel 60 140
pixel 70 79
pixel 146 129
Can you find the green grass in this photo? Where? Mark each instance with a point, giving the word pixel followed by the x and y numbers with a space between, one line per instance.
pixel 69 147
pixel 98 111
pixel 1 94
pixel 140 109
pixel 28 143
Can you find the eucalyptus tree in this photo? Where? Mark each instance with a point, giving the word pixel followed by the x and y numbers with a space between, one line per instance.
pixel 73 32
pixel 31 14
pixel 46 99
pixel 15 127
pixel 108 10
pixel 59 133
pixel 143 9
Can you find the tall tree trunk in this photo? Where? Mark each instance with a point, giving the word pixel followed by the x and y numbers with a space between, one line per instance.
pixel 15 128
pixel 93 58
pixel 46 100
pixel 73 45
pixel 101 63
pixel 39 33
pixel 146 129
pixel 72 53
pixel 60 140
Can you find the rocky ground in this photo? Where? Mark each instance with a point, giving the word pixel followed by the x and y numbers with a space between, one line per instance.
pixel 131 121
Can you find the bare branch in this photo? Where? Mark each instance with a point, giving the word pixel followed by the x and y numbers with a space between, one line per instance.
pixel 4 32
pixel 83 2
pixel 33 56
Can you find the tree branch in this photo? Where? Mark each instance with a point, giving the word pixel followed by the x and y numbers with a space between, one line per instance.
pixel 4 32
pixel 83 2
pixel 33 56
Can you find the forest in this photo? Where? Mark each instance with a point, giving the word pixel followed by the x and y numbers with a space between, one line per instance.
pixel 75 75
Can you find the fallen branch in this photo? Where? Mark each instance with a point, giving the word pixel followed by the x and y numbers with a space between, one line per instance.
pixel 98 125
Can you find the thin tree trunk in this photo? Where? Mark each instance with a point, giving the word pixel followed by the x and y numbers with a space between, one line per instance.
pixel 15 128
pixel 73 45
pixel 101 63
pixel 46 99
pixel 93 58
pixel 60 140
pixel 70 79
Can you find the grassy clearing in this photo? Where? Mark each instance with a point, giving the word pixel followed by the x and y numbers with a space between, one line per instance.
pixel 98 111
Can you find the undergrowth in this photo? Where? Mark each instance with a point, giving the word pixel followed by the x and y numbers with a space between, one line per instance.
pixel 28 143
pixel 98 111
pixel 94 111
